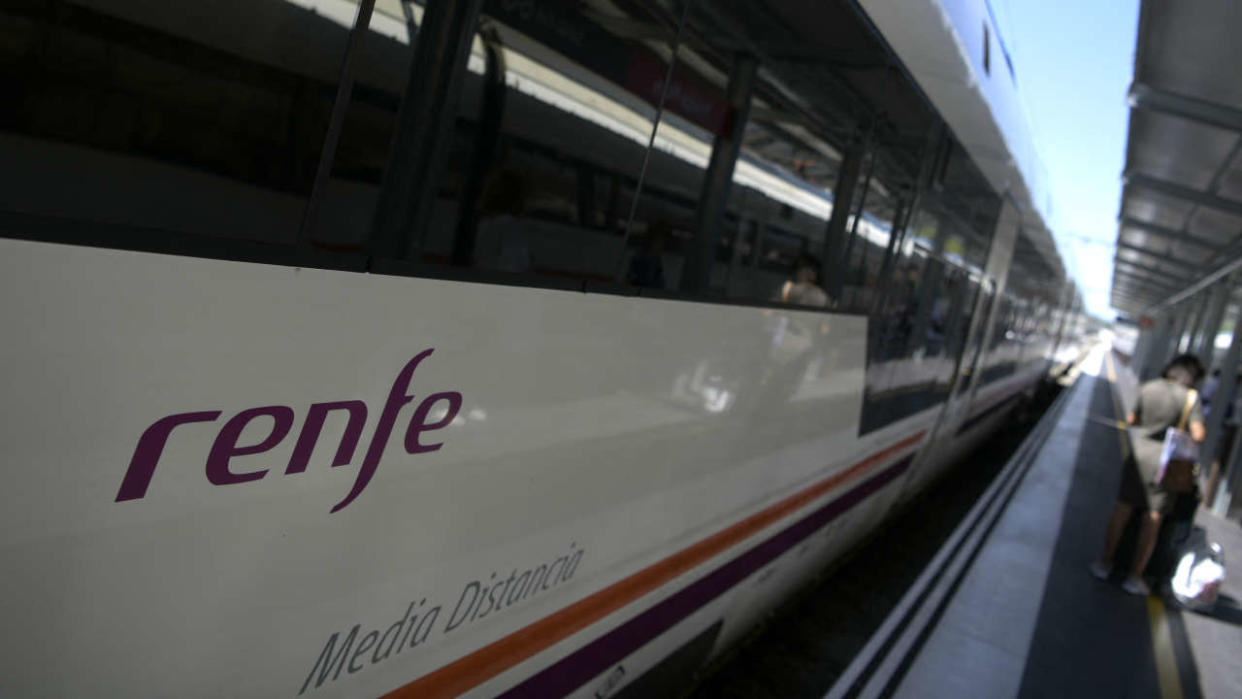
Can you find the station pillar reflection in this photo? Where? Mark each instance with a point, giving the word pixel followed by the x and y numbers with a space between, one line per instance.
pixel 1206 346
pixel 719 176
pixel 428 108
pixel 1226 482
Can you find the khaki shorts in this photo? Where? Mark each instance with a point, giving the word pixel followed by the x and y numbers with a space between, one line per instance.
pixel 1141 492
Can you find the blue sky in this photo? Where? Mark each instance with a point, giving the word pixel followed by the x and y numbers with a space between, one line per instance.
pixel 1074 60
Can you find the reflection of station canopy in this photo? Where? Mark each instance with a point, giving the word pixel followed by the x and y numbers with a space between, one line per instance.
pixel 826 82
pixel 823 64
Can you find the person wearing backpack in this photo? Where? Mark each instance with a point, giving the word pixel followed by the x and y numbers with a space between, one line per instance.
pixel 1164 404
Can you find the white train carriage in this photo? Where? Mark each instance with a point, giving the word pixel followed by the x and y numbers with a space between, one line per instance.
pixel 391 349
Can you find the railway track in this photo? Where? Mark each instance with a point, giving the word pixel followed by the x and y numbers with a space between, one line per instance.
pixel 806 644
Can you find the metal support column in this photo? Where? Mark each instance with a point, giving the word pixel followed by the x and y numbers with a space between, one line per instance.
pixel 928 293
pixel 858 215
pixel 892 250
pixel 906 209
pixel 1066 308
pixel 1193 320
pixel 336 122
pixel 701 255
pixel 1211 327
pixel 486 140
pixel 1173 334
pixel 428 111
pixel 1198 309
pixel 1180 319
pixel 1231 469
pixel 1142 345
pixel 1192 324
pixel 1225 393
pixel 832 266
pixel 1156 352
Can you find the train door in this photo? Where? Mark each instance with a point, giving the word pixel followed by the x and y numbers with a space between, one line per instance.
pixel 942 446
pixel 966 372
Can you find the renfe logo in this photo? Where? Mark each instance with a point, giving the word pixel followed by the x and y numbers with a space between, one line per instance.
pixel 151 444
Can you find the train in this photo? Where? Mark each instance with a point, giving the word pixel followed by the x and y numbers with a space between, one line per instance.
pixel 488 347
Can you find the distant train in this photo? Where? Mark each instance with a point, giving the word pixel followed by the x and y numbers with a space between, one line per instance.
pixel 412 359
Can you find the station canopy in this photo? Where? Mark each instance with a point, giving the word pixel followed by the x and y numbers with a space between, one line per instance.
pixel 1180 223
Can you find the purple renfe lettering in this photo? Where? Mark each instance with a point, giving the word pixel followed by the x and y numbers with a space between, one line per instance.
pixel 397 399
pixel 418 423
pixel 150 447
pixel 225 446
pixel 314 425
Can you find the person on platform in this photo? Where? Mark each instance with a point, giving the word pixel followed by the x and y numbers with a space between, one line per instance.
pixel 646 267
pixel 1209 391
pixel 503 243
pixel 803 288
pixel 1161 403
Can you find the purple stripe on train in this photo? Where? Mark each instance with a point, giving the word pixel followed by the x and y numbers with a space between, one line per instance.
pixel 572 671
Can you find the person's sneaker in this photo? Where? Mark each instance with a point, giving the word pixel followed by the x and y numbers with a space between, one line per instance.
pixel 1135 586
pixel 1100 571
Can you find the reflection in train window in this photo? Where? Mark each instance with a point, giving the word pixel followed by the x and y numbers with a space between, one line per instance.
pixel 924 307
pixel 644 148
pixel 204 118
pixel 785 228
pixel 876 208
pixel 545 150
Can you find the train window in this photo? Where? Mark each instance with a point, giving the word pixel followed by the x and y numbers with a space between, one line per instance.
pixel 286 123
pixel 165 118
pixel 778 257
pixel 870 234
pixel 341 216
pixel 1028 317
pixel 973 346
pixel 1009 337
pixel 923 310
pixel 546 177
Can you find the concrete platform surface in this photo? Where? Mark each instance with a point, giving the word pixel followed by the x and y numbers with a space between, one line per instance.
pixel 1029 621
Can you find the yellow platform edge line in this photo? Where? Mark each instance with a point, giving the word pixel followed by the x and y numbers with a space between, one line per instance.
pixel 1162 648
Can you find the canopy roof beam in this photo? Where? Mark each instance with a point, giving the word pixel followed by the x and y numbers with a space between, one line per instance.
pixel 1134 293
pixel 1177 191
pixel 1159 273
pixel 1140 287
pixel 1163 258
pixel 1202 111
pixel 1169 233
pixel 1133 296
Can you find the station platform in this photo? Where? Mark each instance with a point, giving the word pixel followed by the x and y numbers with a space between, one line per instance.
pixel 1011 610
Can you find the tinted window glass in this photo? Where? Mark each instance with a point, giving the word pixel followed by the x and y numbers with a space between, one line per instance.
pixel 202 118
pixel 544 153
pixel 924 304
pixel 869 235
pixel 782 201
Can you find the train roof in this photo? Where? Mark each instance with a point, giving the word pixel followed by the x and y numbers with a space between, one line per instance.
pixel 956 53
